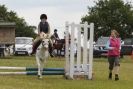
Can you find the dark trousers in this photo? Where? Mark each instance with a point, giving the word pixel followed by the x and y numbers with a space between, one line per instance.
pixel 113 61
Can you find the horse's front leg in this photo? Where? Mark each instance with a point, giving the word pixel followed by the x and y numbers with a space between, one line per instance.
pixel 45 58
pixel 43 61
pixel 39 66
pixel 46 55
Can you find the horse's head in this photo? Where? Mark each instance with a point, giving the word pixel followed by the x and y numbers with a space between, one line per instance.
pixel 45 43
pixel 45 40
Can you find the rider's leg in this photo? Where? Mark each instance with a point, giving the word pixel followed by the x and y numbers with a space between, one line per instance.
pixel 51 48
pixel 36 43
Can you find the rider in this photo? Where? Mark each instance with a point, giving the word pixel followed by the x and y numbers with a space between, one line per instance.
pixel 43 27
pixel 55 35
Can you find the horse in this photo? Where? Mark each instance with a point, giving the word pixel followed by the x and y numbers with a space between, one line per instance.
pixel 42 55
pixel 59 45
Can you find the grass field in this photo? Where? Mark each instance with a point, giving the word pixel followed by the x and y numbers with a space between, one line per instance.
pixel 100 80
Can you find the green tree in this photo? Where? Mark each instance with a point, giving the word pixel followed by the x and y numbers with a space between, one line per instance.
pixel 22 29
pixel 111 14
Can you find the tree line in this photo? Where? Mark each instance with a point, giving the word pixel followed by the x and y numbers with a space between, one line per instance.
pixel 22 28
pixel 111 14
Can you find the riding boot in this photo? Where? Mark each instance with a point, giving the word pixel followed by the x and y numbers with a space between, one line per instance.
pixel 35 46
pixel 51 50
pixel 110 76
pixel 33 49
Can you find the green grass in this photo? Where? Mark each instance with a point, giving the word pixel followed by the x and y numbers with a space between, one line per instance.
pixel 100 80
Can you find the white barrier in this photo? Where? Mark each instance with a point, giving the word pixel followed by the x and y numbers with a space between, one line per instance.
pixel 78 65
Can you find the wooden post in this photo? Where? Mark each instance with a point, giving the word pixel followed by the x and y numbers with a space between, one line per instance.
pixel 72 51
pixel 67 69
pixel 91 51
pixel 79 48
pixel 85 49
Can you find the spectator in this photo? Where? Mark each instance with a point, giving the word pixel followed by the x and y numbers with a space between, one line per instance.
pixel 113 46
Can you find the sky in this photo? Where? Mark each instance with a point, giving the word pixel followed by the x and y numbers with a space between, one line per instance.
pixel 58 11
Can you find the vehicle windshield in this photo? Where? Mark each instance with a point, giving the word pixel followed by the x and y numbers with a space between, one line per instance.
pixel 128 41
pixel 102 40
pixel 23 41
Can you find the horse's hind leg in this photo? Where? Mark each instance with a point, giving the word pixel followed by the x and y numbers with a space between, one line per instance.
pixel 39 67
pixel 58 52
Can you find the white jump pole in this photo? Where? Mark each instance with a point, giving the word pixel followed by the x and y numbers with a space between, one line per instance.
pixel 67 67
pixel 79 48
pixel 13 73
pixel 72 50
pixel 85 49
pixel 30 71
pixel 91 50
pixel 33 73
pixel 12 68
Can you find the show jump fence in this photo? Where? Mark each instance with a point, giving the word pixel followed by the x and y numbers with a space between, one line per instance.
pixel 76 63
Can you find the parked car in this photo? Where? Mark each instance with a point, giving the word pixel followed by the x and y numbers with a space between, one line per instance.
pixel 100 47
pixel 127 46
pixel 23 45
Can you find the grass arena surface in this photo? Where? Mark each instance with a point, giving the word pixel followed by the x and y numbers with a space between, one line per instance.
pixel 100 80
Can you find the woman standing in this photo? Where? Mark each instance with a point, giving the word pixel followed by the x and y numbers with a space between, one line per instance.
pixel 113 46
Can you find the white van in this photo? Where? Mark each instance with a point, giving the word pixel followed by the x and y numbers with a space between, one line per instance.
pixel 23 45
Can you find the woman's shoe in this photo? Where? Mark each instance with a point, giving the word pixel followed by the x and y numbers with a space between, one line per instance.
pixel 110 76
pixel 116 77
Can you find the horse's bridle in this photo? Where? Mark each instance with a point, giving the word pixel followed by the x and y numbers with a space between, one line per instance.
pixel 43 44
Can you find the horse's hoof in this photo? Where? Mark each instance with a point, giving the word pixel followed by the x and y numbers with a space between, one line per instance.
pixel 51 55
pixel 39 77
